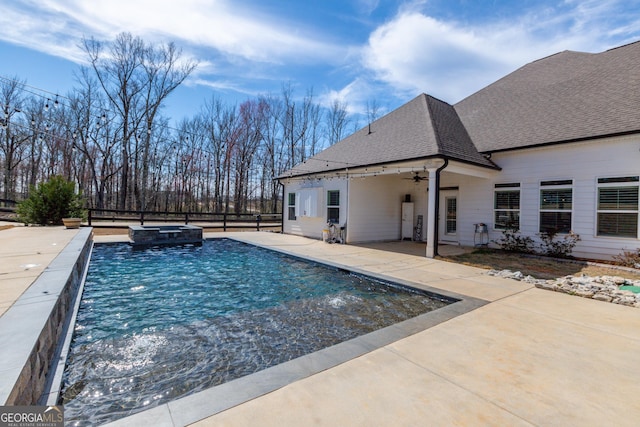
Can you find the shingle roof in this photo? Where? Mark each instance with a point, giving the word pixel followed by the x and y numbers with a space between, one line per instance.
pixel 425 127
pixel 452 138
pixel 564 97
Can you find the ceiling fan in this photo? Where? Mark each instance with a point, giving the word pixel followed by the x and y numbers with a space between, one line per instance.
pixel 417 178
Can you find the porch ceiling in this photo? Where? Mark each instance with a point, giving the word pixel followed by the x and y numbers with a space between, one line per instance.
pixel 397 168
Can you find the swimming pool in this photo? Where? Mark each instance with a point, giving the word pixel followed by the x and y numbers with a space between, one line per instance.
pixel 158 324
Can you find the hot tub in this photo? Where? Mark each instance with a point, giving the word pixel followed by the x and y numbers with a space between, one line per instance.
pixel 164 234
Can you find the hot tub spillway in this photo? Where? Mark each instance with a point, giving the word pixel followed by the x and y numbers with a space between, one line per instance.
pixel 164 234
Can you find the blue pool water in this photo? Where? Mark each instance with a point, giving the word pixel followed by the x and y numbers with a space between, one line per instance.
pixel 161 323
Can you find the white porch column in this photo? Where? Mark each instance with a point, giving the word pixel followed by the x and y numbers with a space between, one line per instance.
pixel 432 215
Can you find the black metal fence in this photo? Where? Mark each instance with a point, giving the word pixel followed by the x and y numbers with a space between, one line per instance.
pixel 224 220
pixel 8 209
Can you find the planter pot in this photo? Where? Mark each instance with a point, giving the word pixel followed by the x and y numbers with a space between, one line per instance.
pixel 72 222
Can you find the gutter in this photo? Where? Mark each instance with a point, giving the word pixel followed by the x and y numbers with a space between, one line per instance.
pixel 564 141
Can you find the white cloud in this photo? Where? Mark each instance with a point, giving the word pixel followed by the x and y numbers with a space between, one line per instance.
pixel 367 6
pixel 19 27
pixel 216 24
pixel 416 53
pixel 349 95
pixel 221 85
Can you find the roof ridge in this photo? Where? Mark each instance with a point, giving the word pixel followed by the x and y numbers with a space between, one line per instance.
pixel 621 46
pixel 453 141
pixel 434 125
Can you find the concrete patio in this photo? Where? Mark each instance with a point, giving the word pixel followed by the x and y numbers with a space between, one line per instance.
pixel 526 357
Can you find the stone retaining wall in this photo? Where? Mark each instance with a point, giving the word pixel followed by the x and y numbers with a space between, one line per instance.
pixel 39 320
pixel 164 234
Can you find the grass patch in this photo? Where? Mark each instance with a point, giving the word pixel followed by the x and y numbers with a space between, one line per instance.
pixel 538 267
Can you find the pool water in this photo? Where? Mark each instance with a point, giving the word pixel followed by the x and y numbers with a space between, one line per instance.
pixel 161 323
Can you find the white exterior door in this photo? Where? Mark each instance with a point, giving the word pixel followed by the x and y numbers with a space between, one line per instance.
pixel 448 216
pixel 407 221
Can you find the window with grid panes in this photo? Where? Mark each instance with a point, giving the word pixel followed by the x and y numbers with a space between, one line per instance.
pixel 292 207
pixel 333 206
pixel 556 206
pixel 507 206
pixel 618 207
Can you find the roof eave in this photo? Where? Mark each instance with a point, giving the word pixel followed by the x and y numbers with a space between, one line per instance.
pixel 491 166
pixel 566 141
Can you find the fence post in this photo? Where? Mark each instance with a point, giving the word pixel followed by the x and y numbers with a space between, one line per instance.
pixel 224 221
pixel 141 217
pixel 89 217
pixel 186 218
pixel 258 218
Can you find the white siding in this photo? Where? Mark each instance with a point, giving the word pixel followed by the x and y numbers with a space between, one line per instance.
pixel 583 163
pixel 374 209
pixel 311 206
pixel 475 205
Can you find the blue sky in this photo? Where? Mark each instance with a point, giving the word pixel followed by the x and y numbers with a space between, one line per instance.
pixel 357 51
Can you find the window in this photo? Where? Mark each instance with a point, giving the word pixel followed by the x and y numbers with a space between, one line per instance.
pixel 308 202
pixel 556 205
pixel 451 224
pixel 618 207
pixel 292 207
pixel 507 206
pixel 333 206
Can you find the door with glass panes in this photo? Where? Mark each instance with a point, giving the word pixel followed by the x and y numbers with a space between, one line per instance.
pixel 448 216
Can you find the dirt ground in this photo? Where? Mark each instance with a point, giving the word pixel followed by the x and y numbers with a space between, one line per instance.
pixel 540 267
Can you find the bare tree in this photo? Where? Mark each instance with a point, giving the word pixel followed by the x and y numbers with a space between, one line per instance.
pixel 33 110
pixel 251 120
pixel 119 73
pixel 337 121
pixel 373 111
pixel 273 151
pixel 13 134
pixel 219 122
pixel 164 71
pixel 94 137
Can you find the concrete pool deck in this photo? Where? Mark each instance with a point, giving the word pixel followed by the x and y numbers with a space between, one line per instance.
pixel 527 357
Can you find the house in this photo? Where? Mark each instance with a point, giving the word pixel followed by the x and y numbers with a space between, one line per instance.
pixel 553 146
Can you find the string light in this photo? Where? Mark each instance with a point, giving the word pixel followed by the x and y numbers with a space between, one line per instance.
pixel 47 96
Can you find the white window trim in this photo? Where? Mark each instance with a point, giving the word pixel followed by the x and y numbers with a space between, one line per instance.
pixel 598 211
pixel 333 206
pixel 308 202
pixel 542 187
pixel 516 187
pixel 289 206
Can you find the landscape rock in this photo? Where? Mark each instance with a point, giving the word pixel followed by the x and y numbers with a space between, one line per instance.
pixel 601 288
pixel 602 297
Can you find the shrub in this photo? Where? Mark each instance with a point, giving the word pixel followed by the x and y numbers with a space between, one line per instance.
pixel 628 258
pixel 551 243
pixel 512 241
pixel 50 202
pixel 555 246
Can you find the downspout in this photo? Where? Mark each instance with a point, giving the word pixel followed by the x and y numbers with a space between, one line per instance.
pixel 346 214
pixel 437 207
pixel 282 210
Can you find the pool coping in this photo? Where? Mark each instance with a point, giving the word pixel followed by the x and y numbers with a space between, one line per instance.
pixel 35 323
pixel 195 407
